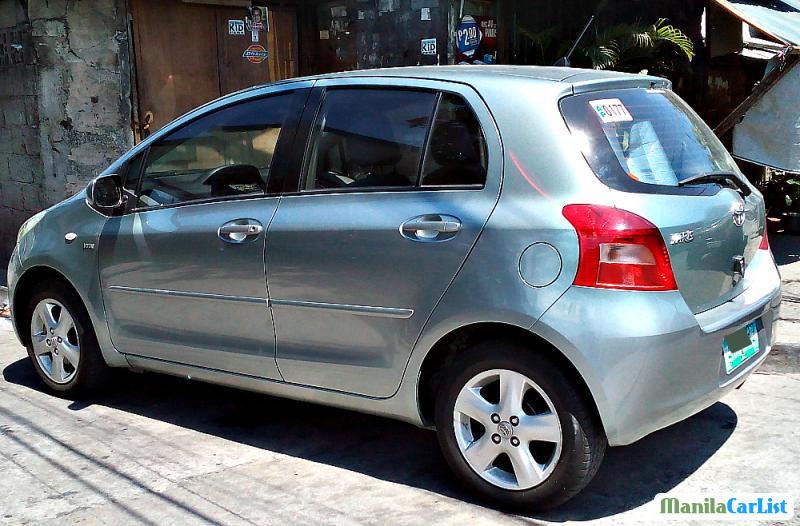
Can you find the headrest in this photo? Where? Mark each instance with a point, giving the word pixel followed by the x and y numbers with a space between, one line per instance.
pixel 453 142
pixel 370 151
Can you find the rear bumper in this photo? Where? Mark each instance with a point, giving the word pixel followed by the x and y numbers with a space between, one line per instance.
pixel 648 361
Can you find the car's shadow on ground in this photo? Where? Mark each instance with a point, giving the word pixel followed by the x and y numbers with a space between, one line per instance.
pixel 394 451
pixel 785 248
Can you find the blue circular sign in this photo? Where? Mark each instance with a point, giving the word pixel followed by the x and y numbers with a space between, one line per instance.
pixel 468 36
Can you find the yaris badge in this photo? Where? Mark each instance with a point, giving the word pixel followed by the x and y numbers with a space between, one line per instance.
pixel 687 236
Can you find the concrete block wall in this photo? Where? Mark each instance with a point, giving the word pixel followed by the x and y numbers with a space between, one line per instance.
pixel 20 159
pixel 65 109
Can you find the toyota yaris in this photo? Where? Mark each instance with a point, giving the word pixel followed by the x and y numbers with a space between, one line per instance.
pixel 536 262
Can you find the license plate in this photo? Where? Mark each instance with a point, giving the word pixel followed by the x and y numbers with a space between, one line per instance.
pixel 740 346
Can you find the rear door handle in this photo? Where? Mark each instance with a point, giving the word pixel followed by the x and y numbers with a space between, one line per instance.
pixel 431 227
pixel 436 226
pixel 240 230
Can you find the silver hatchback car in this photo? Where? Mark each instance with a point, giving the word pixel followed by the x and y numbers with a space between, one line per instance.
pixel 537 262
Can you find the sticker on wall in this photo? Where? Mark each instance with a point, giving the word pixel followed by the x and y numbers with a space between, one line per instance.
pixel 255 53
pixel 428 46
pixel 236 27
pixel 611 110
pixel 425 13
pixel 388 6
pixel 257 19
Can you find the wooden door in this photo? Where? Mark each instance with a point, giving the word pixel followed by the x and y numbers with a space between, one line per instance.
pixel 176 61
pixel 282 41
pixel 235 71
pixel 186 56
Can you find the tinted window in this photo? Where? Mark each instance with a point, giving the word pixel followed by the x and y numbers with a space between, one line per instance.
pixel 369 138
pixel 639 140
pixel 226 153
pixel 457 151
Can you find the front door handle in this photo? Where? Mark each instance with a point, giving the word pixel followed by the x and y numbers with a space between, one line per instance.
pixel 240 230
pixel 431 227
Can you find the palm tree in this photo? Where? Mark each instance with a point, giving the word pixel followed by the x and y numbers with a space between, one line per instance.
pixel 624 47
pixel 635 47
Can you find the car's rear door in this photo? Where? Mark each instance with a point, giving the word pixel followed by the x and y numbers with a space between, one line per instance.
pixel 648 145
pixel 182 271
pixel 359 254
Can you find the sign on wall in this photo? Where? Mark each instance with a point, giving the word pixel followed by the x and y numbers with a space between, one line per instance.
pixel 236 27
pixel 428 46
pixel 476 40
pixel 257 21
pixel 255 53
pixel 468 36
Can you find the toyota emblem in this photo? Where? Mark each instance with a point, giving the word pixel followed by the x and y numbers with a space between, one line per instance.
pixel 738 216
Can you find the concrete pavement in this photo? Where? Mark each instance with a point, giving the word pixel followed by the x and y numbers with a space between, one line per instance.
pixel 161 450
pixel 787 253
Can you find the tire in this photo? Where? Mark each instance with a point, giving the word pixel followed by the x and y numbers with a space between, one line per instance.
pixel 566 440
pixel 54 339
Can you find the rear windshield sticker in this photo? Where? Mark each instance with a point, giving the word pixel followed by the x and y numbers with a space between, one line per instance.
pixel 611 110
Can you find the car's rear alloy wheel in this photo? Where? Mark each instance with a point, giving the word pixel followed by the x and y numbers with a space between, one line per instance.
pixel 55 341
pixel 507 429
pixel 515 427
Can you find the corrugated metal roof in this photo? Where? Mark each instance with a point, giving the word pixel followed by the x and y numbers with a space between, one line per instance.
pixel 779 19
pixel 768 134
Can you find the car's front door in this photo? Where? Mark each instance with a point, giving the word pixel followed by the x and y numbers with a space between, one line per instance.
pixel 183 271
pixel 394 192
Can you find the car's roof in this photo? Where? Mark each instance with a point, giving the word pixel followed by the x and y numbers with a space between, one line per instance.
pixel 479 74
pixel 466 72
pixel 463 72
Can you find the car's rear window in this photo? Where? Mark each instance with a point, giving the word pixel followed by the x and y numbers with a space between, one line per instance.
pixel 643 140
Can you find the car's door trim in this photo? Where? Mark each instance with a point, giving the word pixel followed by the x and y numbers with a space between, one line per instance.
pixel 359 310
pixel 182 294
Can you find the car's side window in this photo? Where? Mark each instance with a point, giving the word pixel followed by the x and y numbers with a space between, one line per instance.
pixel 226 153
pixel 456 154
pixel 369 138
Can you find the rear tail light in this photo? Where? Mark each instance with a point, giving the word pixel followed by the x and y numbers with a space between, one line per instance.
pixel 764 245
pixel 619 250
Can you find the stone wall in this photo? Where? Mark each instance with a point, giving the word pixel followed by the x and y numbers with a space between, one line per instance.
pixel 65 101
pixel 20 160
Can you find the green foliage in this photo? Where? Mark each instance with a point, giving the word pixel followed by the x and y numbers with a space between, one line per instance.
pixel 793 193
pixel 624 47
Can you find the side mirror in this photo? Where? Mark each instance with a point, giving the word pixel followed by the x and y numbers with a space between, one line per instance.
pixel 105 193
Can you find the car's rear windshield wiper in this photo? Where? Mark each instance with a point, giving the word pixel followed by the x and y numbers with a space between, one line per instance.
pixel 728 178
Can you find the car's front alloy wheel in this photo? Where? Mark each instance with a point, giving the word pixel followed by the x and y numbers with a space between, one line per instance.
pixel 55 341
pixel 62 343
